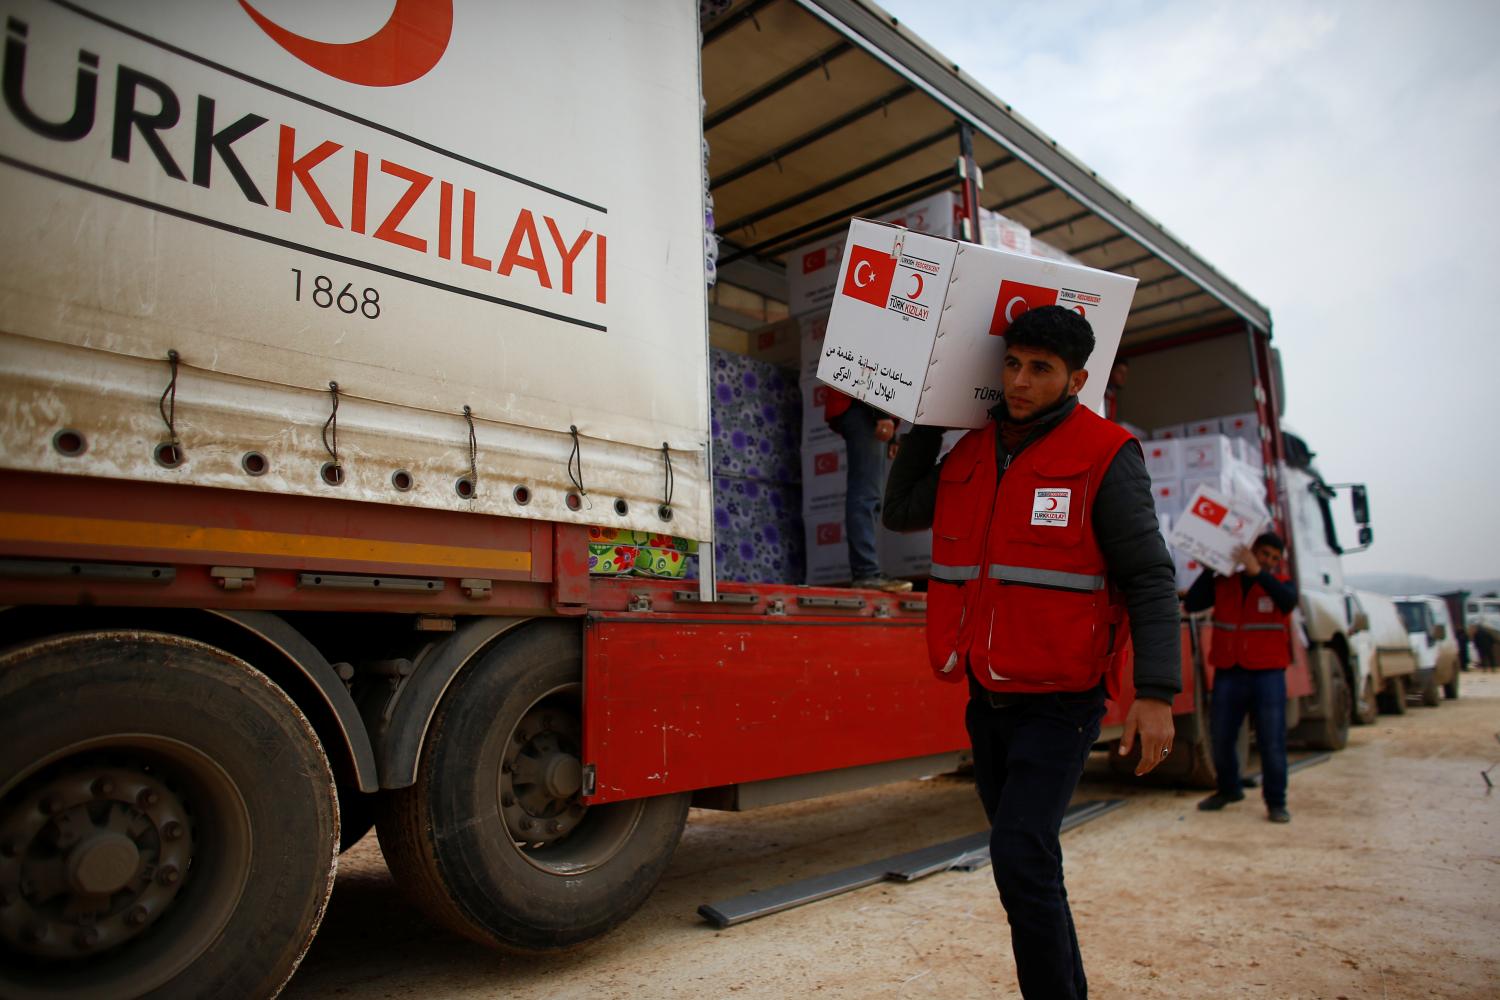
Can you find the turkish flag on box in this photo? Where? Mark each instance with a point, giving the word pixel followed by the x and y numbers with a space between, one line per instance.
pixel 1015 298
pixel 1212 526
pixel 870 275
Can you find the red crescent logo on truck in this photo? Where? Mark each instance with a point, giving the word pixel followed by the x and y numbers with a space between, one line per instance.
pixel 410 44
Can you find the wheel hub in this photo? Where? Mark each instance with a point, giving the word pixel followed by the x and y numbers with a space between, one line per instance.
pixel 90 858
pixel 541 776
pixel 102 864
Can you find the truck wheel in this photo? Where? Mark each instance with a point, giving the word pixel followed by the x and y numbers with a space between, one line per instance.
pixel 1393 699
pixel 1450 689
pixel 167 821
pixel 1332 731
pixel 1430 690
pixel 493 840
pixel 1367 707
pixel 1191 762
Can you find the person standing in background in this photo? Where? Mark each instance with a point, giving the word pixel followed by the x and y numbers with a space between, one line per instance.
pixel 867 434
pixel 1250 653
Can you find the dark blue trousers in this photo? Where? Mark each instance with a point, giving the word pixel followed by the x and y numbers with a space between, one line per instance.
pixel 1261 693
pixel 865 455
pixel 1028 757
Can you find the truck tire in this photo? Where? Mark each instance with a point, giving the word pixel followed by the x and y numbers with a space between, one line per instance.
pixel 492 840
pixel 1191 762
pixel 168 825
pixel 1331 732
pixel 1430 696
pixel 1367 705
pixel 1450 689
pixel 1393 699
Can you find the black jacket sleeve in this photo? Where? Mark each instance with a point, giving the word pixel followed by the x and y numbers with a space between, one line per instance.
pixel 912 484
pixel 1129 535
pixel 1200 596
pixel 1283 593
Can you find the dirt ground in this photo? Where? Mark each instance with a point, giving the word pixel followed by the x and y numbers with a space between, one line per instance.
pixel 1386 884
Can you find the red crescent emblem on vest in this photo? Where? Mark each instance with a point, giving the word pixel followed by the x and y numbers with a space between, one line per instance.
pixel 405 49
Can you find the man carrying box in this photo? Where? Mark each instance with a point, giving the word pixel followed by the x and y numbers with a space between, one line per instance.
pixel 1250 653
pixel 1044 539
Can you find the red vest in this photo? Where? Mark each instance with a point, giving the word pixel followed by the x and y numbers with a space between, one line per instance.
pixel 1019 588
pixel 1249 630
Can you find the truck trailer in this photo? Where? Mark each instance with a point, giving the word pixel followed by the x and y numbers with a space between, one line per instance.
pixel 323 362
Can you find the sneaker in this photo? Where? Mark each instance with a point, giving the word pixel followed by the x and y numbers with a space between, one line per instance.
pixel 1218 801
pixel 884 583
pixel 1278 814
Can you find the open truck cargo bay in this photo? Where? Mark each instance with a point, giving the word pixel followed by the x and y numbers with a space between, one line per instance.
pixel 463 673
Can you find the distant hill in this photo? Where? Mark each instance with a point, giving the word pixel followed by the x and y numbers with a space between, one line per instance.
pixel 1412 583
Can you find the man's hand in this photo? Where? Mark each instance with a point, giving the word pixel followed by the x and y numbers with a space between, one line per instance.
pixel 885 429
pixel 1152 720
pixel 1248 560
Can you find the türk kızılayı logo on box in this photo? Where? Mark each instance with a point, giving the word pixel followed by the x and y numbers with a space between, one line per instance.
pixel 831 533
pixel 870 275
pixel 825 462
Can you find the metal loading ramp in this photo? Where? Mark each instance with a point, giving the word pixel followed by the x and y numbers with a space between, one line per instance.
pixel 963 854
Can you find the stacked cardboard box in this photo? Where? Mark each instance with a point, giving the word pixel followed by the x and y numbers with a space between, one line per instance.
pixel 756 416
pixel 1222 453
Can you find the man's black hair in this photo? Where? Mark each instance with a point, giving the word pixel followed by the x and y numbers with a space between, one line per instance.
pixel 1053 328
pixel 1272 539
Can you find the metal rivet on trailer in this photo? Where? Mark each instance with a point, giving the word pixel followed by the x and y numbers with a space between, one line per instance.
pixel 522 495
pixel 664 512
pixel 621 507
pixel 332 473
pixel 70 443
pixel 574 501
pixel 464 487
pixel 169 455
pixel 401 480
pixel 254 463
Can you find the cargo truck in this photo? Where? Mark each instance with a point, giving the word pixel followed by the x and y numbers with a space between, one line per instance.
pixel 321 361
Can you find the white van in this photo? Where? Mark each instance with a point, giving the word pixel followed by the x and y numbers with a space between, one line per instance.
pixel 1431 636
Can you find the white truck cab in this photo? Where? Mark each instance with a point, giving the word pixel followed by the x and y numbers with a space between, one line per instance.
pixel 1431 636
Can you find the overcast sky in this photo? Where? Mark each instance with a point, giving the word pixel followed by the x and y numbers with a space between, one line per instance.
pixel 1338 161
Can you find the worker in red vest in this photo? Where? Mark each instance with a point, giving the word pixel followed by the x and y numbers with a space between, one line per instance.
pixel 1047 561
pixel 1250 652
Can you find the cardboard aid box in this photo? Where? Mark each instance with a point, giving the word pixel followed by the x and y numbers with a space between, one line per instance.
pixel 1211 527
pixel 1163 458
pixel 918 321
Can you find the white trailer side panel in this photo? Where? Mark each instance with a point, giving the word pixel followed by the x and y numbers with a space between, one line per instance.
pixel 504 213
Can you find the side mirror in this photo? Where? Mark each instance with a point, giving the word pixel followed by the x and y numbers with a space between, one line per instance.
pixel 1360 498
pixel 1366 535
pixel 1439 632
pixel 1361 622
